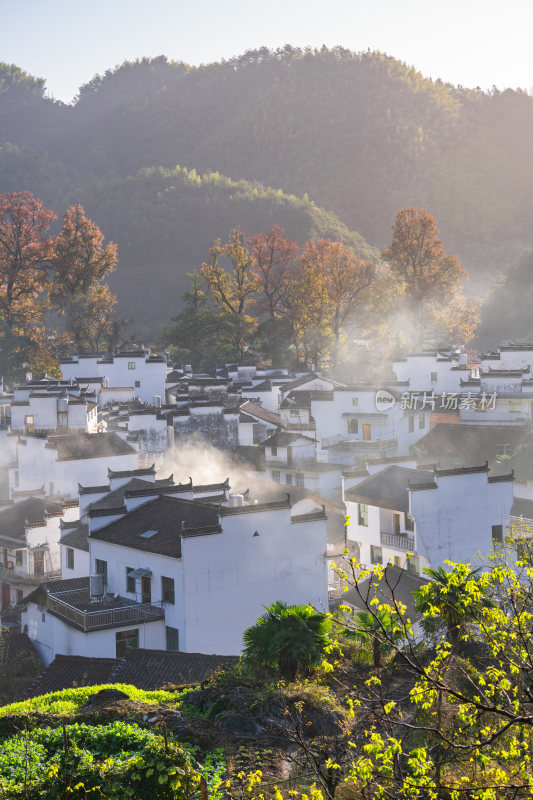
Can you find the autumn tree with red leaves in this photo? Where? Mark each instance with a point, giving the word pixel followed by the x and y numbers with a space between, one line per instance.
pixel 25 251
pixel 80 263
pixel 272 259
pixel 429 281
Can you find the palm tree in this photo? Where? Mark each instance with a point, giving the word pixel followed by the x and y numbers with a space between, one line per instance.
pixel 291 638
pixel 449 594
pixel 376 628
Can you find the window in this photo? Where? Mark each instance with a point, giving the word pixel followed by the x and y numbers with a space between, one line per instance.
pixel 409 523
pixel 20 595
pixel 125 639
pixel 276 477
pixel 43 617
pixel 396 523
pixel 273 451
pixel 131 364
pixel 434 377
pixel 173 639
pixel 288 479
pixel 376 555
pixel 167 593
pixel 362 516
pixel 29 423
pixel 353 426
pixel 421 421
pixel 411 424
pixel 515 406
pixel 18 558
pixel 130 582
pixel 413 565
pixel 101 569
pixel 295 412
pixel 355 401
pixel 299 479
pixel 137 384
pixel 70 558
pixel 497 534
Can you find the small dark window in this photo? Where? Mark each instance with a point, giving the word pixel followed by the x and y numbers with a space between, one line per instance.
pixel 434 377
pixel 299 479
pixel 20 595
pixel 376 555
pixel 137 384
pixel 276 477
pixel 413 565
pixel 409 523
pixel 70 558
pixel 131 364
pixel 421 421
pixel 353 425
pixel 167 591
pixel 101 569
pixel 288 479
pixel 273 451
pixel 18 558
pixel 497 534
pixel 411 424
pixel 130 582
pixel 173 639
pixel 43 617
pixel 363 515
pixel 125 639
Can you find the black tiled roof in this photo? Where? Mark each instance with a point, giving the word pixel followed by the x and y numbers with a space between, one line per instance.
pixel 131 473
pixel 170 517
pixel 32 510
pixel 66 672
pixel 256 410
pixel 389 488
pixel 283 439
pixel 151 669
pixel 115 499
pixel 145 669
pixel 88 445
pixel 68 585
pixel 77 536
pixel 459 445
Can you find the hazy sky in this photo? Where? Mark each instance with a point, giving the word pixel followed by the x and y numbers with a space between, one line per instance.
pixel 472 42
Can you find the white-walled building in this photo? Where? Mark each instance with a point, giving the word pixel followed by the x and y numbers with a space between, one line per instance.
pixel 436 515
pixel 136 370
pixel 30 531
pixel 181 574
pixel 58 463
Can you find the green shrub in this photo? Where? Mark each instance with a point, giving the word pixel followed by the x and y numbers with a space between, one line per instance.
pixel 69 700
pixel 115 761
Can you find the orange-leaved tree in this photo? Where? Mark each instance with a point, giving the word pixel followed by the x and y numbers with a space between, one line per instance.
pixel 429 281
pixel 80 263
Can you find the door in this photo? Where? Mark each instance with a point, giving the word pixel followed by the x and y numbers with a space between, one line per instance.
pixel 38 562
pixel 396 523
pixel 146 589
pixel 367 432
pixel 6 595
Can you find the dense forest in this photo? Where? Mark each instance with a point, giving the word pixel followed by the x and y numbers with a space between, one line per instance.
pixel 359 134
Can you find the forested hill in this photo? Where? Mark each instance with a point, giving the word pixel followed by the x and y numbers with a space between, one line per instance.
pixel 362 135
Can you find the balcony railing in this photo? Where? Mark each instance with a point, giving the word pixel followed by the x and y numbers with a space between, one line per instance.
pixel 104 618
pixel 14 576
pixel 400 541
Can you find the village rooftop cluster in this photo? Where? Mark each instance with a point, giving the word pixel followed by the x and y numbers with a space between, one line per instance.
pixel 107 549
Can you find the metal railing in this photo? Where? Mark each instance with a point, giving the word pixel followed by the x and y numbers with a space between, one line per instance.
pixel 13 576
pixel 105 618
pixel 401 541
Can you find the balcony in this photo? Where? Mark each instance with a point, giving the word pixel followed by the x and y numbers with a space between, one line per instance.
pixel 399 541
pixel 75 607
pixel 14 576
